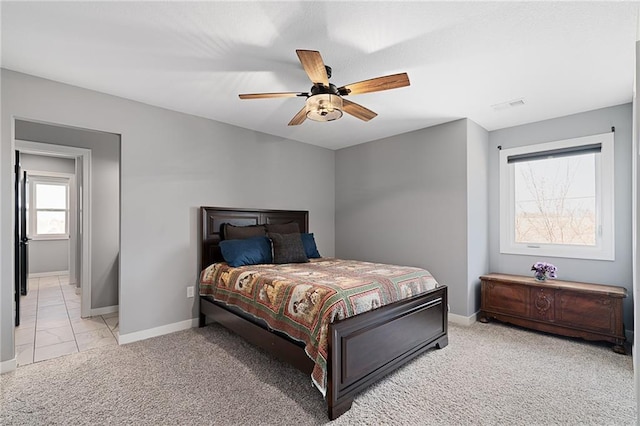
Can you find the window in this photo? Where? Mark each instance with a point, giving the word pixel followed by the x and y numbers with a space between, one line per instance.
pixel 556 199
pixel 48 208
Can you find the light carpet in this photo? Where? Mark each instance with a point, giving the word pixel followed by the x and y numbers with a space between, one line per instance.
pixel 489 374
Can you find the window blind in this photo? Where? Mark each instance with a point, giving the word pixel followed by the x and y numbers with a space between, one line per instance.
pixel 594 148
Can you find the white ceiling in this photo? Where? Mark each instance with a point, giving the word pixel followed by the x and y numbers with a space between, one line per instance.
pixel 462 58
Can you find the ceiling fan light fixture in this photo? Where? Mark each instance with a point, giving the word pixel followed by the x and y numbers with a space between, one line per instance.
pixel 324 101
pixel 324 107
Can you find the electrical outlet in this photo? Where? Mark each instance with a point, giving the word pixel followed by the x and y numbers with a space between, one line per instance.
pixel 190 291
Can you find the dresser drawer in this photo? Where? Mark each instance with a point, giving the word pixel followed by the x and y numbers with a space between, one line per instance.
pixel 507 298
pixel 592 312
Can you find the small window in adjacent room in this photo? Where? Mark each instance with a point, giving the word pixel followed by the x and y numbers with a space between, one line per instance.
pixel 556 199
pixel 48 208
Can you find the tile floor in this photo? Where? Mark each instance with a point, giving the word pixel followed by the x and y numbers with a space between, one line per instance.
pixel 50 323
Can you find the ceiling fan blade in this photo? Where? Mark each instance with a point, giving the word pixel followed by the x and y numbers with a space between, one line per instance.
pixel 376 84
pixel 299 117
pixel 314 66
pixel 270 95
pixel 357 110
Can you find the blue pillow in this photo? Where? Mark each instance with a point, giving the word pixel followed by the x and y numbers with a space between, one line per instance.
pixel 309 244
pixel 250 251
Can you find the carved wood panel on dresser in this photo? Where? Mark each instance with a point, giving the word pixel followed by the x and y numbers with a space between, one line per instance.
pixel 588 311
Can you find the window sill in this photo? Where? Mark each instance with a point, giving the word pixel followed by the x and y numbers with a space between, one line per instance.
pixel 49 237
pixel 584 253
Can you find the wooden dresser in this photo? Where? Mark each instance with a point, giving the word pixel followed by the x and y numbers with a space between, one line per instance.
pixel 589 311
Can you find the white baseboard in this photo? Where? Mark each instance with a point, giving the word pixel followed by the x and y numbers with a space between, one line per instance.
pixel 47 274
pixel 104 310
pixel 157 331
pixel 7 366
pixel 462 320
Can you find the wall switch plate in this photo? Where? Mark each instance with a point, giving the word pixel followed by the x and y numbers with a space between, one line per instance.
pixel 190 291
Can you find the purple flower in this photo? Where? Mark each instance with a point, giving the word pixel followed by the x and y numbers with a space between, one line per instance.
pixel 544 268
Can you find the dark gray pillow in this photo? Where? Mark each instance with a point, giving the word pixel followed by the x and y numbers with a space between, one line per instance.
pixel 232 232
pixel 283 228
pixel 287 248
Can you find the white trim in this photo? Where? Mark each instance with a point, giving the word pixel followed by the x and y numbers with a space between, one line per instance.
pixel 123 339
pixel 462 320
pixel 104 310
pixel 50 237
pixel 605 214
pixel 84 155
pixel 47 274
pixel 42 174
pixel 74 211
pixel 8 366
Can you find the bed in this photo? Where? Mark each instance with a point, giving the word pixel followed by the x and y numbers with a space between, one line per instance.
pixel 358 352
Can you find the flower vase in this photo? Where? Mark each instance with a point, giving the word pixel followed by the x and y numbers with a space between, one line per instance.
pixel 540 276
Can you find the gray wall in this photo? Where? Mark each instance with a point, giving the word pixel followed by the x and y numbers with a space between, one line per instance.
pixel 477 212
pixel 105 199
pixel 618 272
pixel 171 164
pixel 43 163
pixel 636 220
pixel 403 200
pixel 48 255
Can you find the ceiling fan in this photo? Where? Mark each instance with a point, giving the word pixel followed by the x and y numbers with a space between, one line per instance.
pixel 325 101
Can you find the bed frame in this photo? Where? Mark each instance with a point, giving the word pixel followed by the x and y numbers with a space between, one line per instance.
pixel 362 349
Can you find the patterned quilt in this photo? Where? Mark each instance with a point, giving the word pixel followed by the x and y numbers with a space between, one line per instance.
pixel 301 299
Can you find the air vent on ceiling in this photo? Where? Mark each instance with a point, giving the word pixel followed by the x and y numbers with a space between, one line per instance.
pixel 508 104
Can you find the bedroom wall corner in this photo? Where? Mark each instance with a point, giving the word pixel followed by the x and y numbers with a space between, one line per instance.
pixel 403 200
pixel 477 212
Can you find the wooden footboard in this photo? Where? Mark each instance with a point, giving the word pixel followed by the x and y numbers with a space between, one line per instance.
pixel 370 345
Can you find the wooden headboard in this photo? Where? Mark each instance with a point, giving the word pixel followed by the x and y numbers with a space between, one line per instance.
pixel 212 219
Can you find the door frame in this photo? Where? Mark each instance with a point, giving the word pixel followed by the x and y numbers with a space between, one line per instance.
pixel 83 204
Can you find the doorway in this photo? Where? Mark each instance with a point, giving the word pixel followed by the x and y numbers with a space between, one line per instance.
pixel 79 223
pixel 87 316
